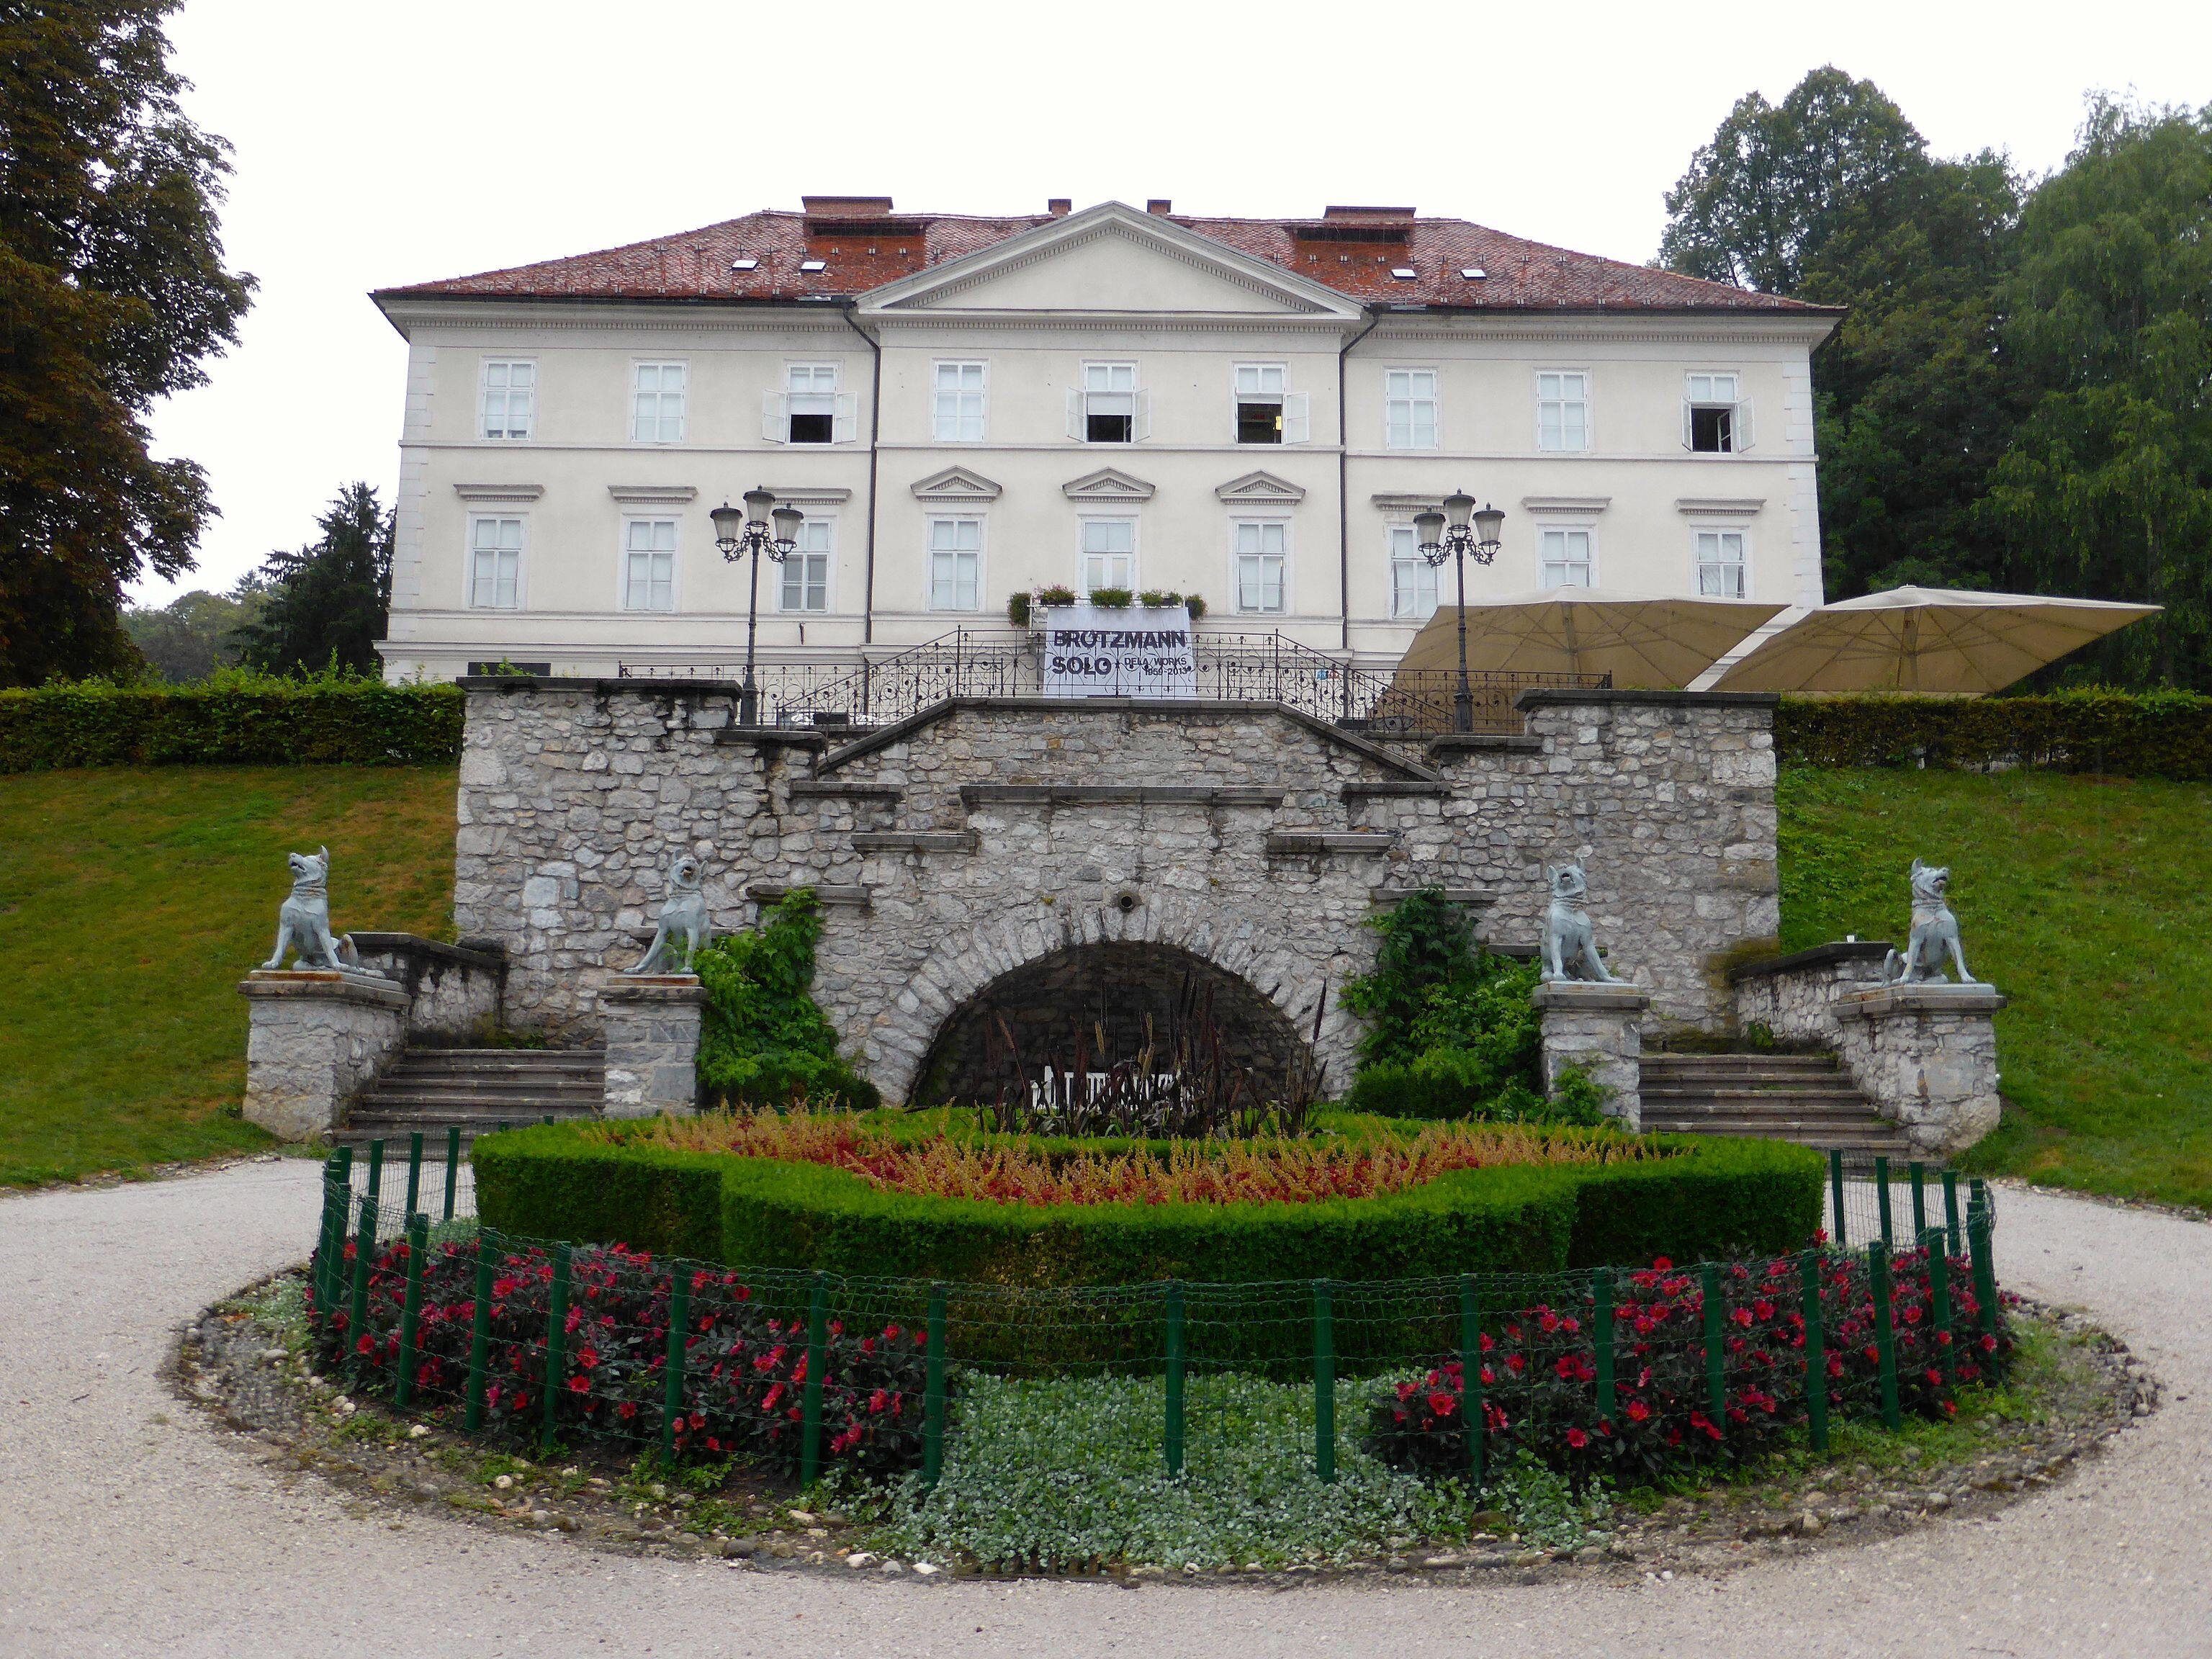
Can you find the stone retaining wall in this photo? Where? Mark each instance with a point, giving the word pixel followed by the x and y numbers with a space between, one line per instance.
pixel 982 836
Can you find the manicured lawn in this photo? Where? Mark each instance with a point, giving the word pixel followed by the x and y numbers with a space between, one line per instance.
pixel 131 902
pixel 2088 902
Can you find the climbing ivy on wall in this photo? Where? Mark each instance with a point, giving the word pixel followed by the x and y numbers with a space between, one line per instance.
pixel 764 1039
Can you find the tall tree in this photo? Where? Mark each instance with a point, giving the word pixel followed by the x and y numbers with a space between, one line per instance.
pixel 194 634
pixel 327 602
pixel 1831 196
pixel 112 294
pixel 2108 489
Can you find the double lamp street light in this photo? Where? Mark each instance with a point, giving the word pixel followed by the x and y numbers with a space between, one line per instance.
pixel 1457 533
pixel 742 531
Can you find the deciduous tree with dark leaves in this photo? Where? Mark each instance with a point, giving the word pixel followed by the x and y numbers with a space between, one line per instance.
pixel 113 293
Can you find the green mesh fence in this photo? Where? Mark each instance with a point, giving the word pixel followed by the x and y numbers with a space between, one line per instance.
pixel 1626 1372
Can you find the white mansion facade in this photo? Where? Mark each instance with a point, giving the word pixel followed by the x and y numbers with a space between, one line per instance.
pixel 1252 411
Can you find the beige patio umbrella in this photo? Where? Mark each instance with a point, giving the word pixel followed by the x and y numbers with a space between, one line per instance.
pixel 1649 640
pixel 1927 639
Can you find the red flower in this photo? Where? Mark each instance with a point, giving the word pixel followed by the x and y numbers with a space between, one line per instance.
pixel 1442 1404
pixel 1578 1439
pixel 1637 1411
pixel 580 1384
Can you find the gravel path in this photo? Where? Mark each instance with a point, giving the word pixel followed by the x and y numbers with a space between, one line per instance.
pixel 129 1525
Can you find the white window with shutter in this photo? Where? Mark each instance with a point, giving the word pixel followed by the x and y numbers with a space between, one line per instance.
pixel 1409 409
pixel 495 563
pixel 1715 415
pixel 1108 548
pixel 1566 557
pixel 957 408
pixel 1268 410
pixel 806 572
pixel 1412 578
pixel 1262 554
pixel 1108 407
pixel 1723 569
pixel 649 564
pixel 657 396
pixel 956 563
pixel 1563 416
pixel 509 402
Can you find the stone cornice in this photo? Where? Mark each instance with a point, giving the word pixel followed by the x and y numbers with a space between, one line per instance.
pixel 499 492
pixel 1107 484
pixel 670 494
pixel 957 484
pixel 1260 489
pixel 1719 506
pixel 1578 505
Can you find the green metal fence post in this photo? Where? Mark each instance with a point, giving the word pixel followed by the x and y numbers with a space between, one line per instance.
pixel 556 1341
pixel 818 1360
pixel 1985 1268
pixel 1324 1325
pixel 480 1328
pixel 453 1164
pixel 932 1399
pixel 1810 1265
pixel 1939 1303
pixel 679 1347
pixel 328 1240
pixel 410 1312
pixel 364 1252
pixel 414 1171
pixel 1881 1196
pixel 1919 1172
pixel 1716 1363
pixel 376 1169
pixel 1601 1333
pixel 1471 1405
pixel 1172 1435
pixel 1836 1191
pixel 1885 1333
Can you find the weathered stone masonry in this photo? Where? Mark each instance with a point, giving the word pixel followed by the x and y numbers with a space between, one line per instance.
pixel 979 837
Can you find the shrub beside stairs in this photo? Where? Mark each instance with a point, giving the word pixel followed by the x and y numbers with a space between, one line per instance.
pixel 482 1090
pixel 1807 1098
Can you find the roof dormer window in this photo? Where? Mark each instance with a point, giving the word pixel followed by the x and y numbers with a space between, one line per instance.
pixel 813 265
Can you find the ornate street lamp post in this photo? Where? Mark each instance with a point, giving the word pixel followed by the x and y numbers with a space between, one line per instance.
pixel 742 531
pixel 1455 533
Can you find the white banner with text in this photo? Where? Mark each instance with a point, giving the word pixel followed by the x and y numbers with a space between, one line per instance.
pixel 1129 650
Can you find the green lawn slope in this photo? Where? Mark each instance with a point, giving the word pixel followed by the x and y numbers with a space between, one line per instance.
pixel 2088 902
pixel 131 902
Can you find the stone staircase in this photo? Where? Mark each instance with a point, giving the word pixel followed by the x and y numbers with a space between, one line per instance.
pixel 482 1090
pixel 1807 1098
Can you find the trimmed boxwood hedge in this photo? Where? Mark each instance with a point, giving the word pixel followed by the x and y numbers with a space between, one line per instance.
pixel 236 719
pixel 2165 734
pixel 1710 1198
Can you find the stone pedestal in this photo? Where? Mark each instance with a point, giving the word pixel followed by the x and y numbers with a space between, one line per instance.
pixel 1927 1056
pixel 1597 1029
pixel 651 1025
pixel 316 1038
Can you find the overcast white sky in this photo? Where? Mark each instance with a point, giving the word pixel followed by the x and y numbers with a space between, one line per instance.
pixel 402 140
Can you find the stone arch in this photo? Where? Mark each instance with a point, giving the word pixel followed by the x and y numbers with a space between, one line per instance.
pixel 899 1037
pixel 1102 1002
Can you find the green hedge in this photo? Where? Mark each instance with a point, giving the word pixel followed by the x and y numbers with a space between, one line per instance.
pixel 236 719
pixel 2165 734
pixel 1712 1198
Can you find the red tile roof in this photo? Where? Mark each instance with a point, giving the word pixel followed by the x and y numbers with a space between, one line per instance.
pixel 1354 253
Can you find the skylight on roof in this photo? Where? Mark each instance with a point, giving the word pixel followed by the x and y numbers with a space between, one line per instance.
pixel 744 265
pixel 1403 273
pixel 813 265
pixel 1473 273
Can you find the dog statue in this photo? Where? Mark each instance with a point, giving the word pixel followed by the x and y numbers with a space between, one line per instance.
pixel 684 916
pixel 303 921
pixel 1934 934
pixel 1569 946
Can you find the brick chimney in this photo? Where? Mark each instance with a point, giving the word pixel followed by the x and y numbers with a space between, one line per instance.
pixel 1159 205
pixel 1060 206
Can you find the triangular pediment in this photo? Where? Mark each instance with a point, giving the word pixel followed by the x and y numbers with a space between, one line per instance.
pixel 1107 484
pixel 1112 259
pixel 956 483
pixel 1261 488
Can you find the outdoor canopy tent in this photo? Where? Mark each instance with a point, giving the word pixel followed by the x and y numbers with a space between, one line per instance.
pixel 1644 641
pixel 1926 640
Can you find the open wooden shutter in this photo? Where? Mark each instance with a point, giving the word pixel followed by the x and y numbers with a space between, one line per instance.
pixel 1140 423
pixel 1075 430
pixel 845 425
pixel 1744 434
pixel 775 417
pixel 1687 440
pixel 1298 427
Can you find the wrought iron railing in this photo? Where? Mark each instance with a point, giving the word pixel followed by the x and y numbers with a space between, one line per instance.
pixel 1401 705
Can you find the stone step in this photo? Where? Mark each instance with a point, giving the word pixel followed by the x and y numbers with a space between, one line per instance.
pixel 1780 1095
pixel 521 1061
pixel 1738 1065
pixel 428 1091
